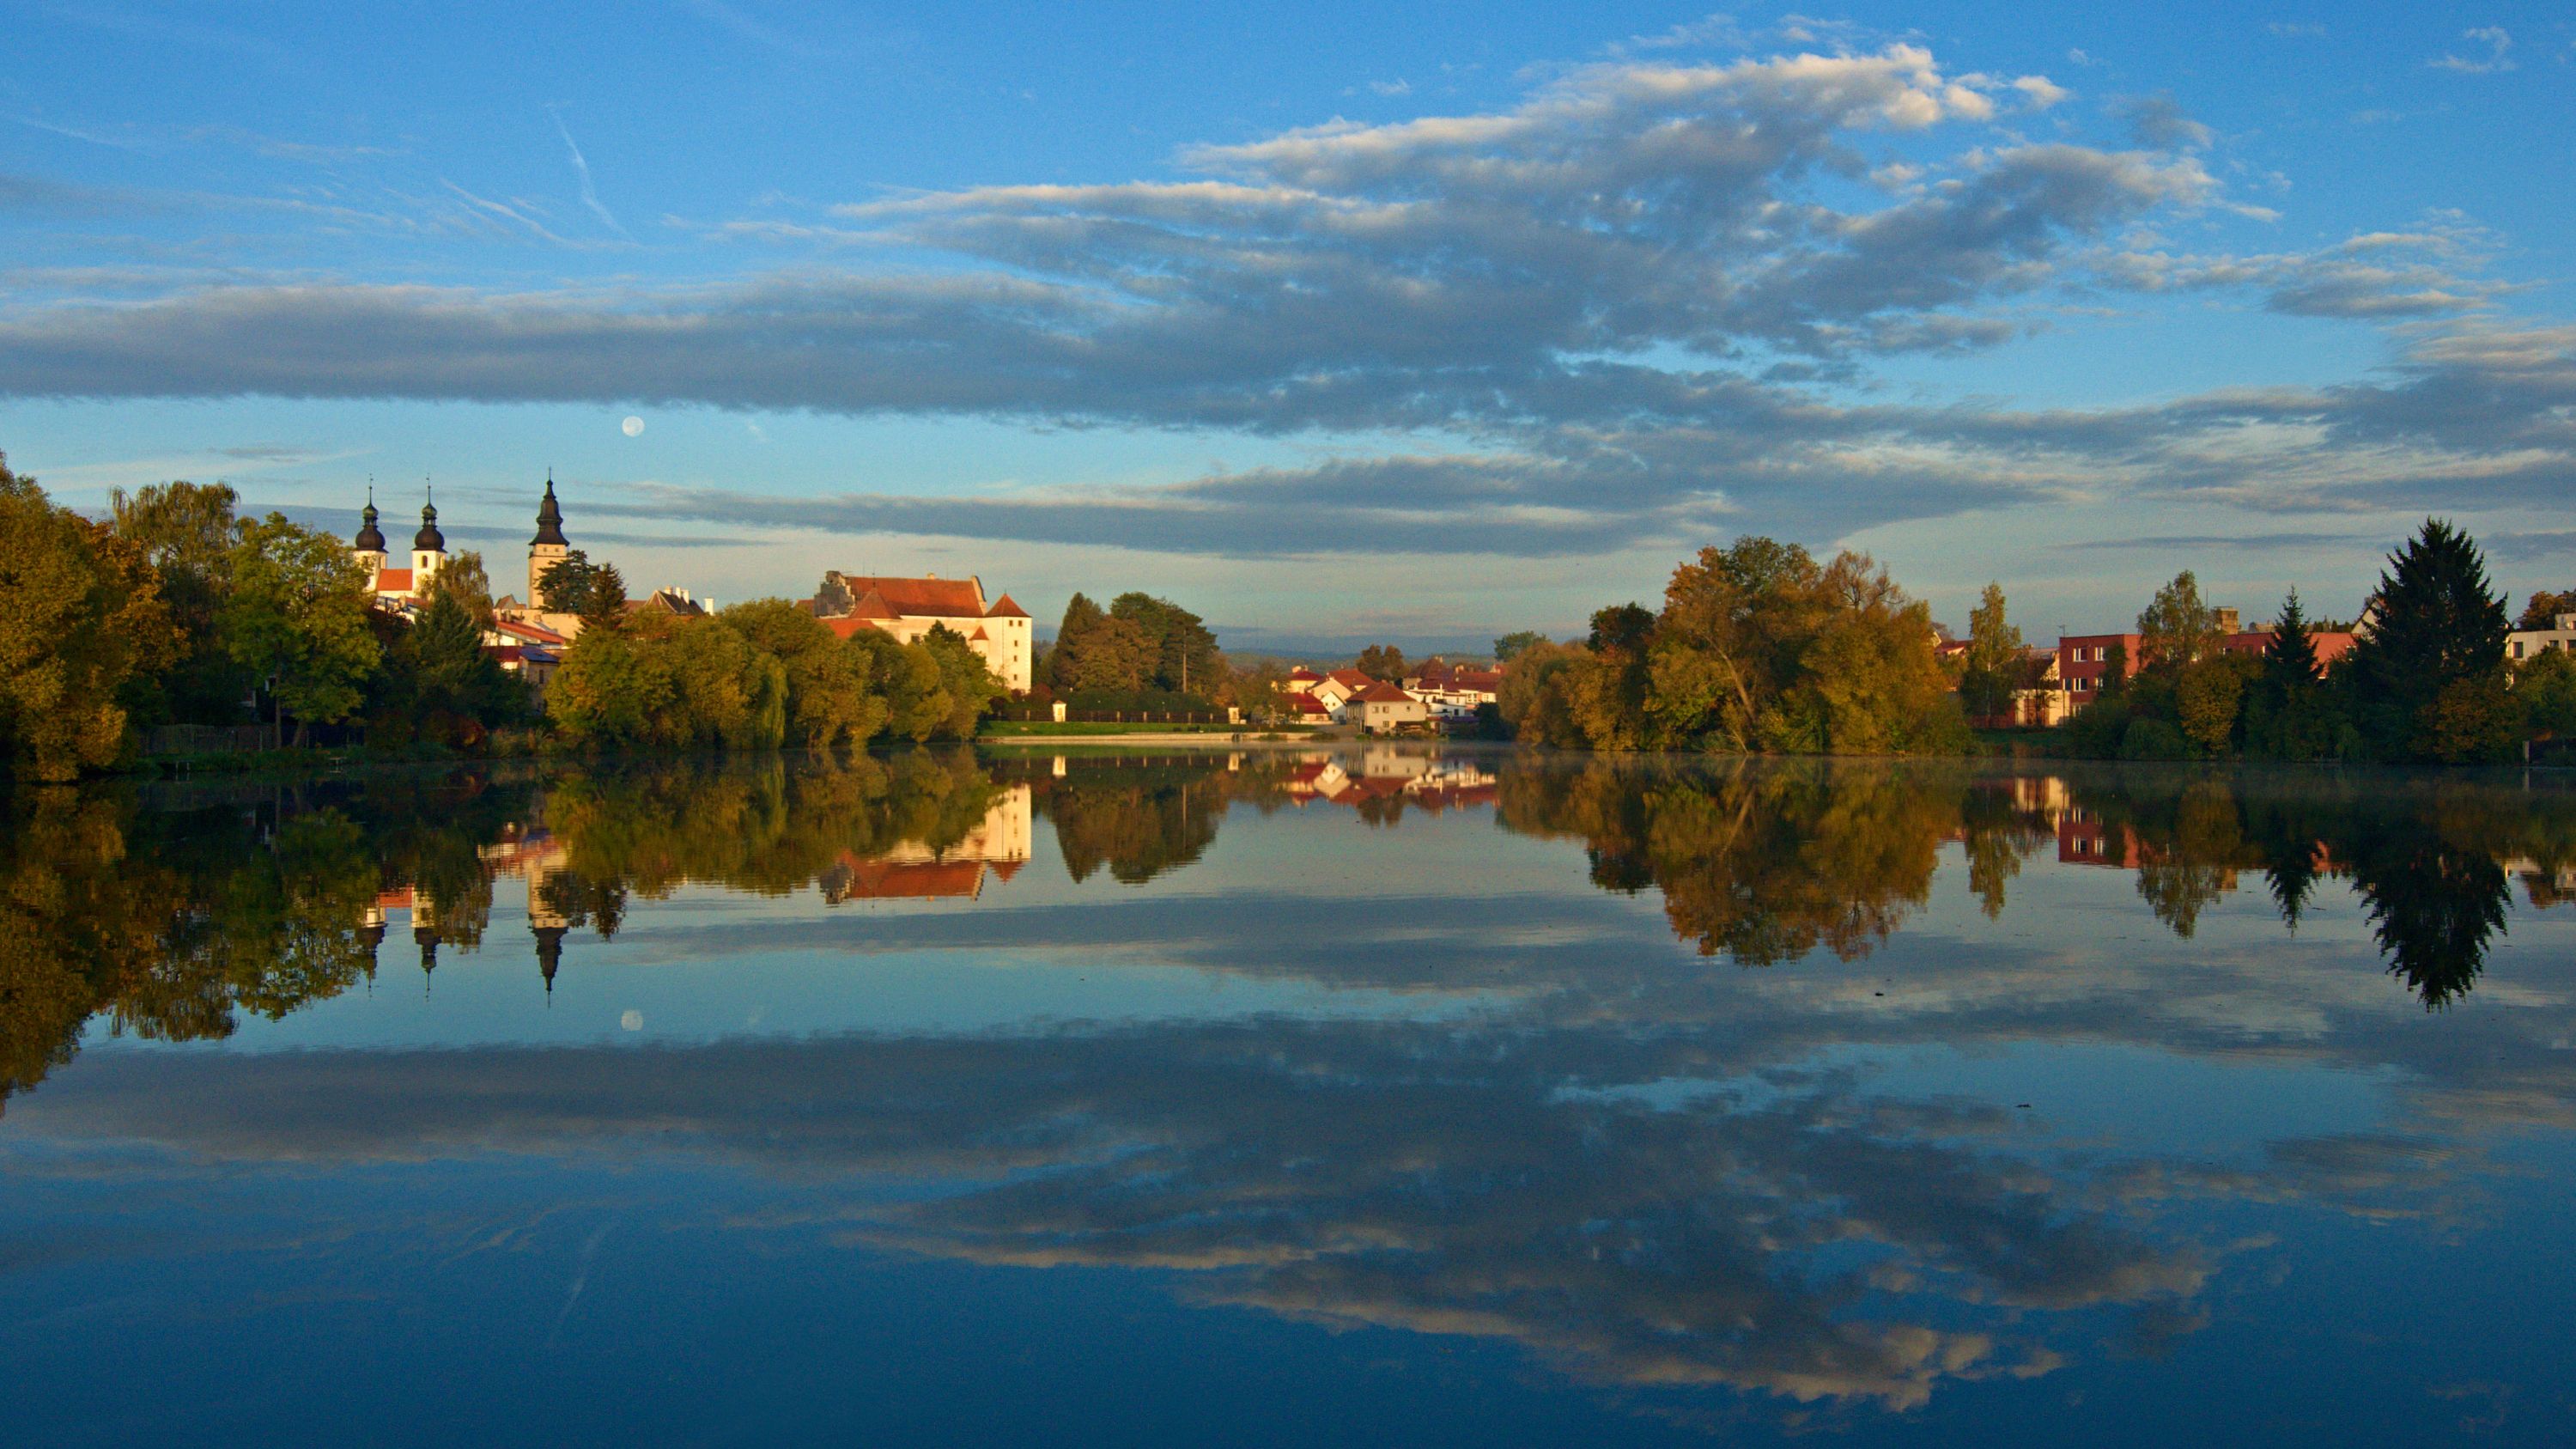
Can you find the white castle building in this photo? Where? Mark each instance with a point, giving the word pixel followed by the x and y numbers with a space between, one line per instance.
pixel 998 632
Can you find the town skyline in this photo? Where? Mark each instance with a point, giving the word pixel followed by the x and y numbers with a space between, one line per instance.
pixel 1406 333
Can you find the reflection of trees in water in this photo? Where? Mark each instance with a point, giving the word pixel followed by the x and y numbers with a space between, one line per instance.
pixel 1143 817
pixel 172 922
pixel 1761 861
pixel 760 826
pixel 1767 861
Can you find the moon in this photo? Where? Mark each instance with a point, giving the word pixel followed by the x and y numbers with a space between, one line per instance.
pixel 633 427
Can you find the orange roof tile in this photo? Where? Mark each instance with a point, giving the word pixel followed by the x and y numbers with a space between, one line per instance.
pixel 393 581
pixel 1004 608
pixel 934 598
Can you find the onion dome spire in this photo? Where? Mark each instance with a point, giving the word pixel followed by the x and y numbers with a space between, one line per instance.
pixel 370 538
pixel 429 539
pixel 549 516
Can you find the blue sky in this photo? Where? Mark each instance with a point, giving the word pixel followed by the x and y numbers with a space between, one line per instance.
pixel 1335 322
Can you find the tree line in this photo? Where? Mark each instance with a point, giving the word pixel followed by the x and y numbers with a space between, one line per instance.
pixel 2427 680
pixel 1760 648
pixel 176 610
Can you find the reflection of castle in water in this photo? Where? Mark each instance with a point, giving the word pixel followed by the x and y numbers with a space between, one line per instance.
pixel 997 846
pixel 913 870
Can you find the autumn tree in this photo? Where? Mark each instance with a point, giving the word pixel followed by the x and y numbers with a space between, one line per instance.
pixel 2545 608
pixel 463 579
pixel 1509 646
pixel 81 616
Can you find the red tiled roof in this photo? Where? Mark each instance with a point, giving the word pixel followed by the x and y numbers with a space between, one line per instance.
pixel 393 581
pixel 1302 672
pixel 872 605
pixel 979 634
pixel 530 633
pixel 1487 680
pixel 1383 694
pixel 1004 608
pixel 846 625
pixel 1304 703
pixel 936 598
pixel 1351 679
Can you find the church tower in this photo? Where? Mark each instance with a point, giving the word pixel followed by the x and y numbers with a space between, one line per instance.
pixel 428 550
pixel 549 546
pixel 368 548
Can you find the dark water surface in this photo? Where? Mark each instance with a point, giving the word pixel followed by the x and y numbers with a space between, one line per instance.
pixel 1388 1098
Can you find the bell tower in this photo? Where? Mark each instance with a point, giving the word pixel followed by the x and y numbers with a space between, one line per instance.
pixel 549 546
pixel 428 549
pixel 368 548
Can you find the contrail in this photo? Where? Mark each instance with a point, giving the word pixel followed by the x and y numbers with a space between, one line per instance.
pixel 580 1278
pixel 581 168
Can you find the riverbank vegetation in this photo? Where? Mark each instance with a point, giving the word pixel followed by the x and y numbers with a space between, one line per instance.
pixel 175 611
pixel 1760 648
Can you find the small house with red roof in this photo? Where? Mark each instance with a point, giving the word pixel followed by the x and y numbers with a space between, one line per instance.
pixel 1383 707
pixel 999 631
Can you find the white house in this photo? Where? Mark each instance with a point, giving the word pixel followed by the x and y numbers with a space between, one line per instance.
pixel 2524 644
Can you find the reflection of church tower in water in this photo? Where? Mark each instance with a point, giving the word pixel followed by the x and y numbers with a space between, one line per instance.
pixel 424 929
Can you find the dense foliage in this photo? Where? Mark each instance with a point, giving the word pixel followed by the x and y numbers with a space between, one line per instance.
pixel 2427 682
pixel 1758 647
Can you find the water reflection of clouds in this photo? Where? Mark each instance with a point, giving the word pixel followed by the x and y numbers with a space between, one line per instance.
pixel 1494 1089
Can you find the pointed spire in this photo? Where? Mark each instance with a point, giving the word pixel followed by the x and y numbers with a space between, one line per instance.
pixel 549 517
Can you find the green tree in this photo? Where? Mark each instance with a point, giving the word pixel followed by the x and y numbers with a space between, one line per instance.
pixel 2176 628
pixel 81 617
pixel 670 683
pixel 185 531
pixel 2429 679
pixel 1382 662
pixel 831 694
pixel 916 696
pixel 297 619
pixel 964 680
pixel 440 681
pixel 595 592
pixel 2209 697
pixel 1993 666
pixel 1510 645
pixel 2546 686
pixel 463 579
pixel 1179 652
pixel 2290 714
pixel 1097 652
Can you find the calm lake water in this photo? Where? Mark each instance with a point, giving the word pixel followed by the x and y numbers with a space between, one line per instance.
pixel 1387 1097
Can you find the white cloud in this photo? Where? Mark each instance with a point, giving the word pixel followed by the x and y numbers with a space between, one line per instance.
pixel 1644 303
pixel 2498 57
